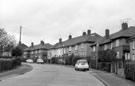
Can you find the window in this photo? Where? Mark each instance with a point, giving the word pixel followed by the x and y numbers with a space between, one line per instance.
pixel 94 48
pixel 118 56
pixel 105 47
pixel 117 42
pixel 111 45
pixel 76 47
pixel 82 45
pixel 70 48
pixel 133 45
pixel 133 57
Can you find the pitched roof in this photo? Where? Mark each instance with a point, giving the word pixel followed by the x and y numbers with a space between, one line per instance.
pixel 129 32
pixel 39 46
pixel 80 39
pixel 22 46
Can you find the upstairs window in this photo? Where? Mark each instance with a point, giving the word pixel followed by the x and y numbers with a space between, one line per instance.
pixel 133 45
pixel 82 45
pixel 76 47
pixel 70 48
pixel 117 42
pixel 133 57
pixel 118 55
pixel 94 48
pixel 105 47
pixel 111 45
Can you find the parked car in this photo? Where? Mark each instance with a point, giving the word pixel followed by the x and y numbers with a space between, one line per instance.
pixel 29 60
pixel 40 61
pixel 82 65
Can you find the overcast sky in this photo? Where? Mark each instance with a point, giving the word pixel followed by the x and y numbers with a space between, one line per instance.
pixel 50 20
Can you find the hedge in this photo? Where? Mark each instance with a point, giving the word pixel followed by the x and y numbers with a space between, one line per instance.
pixel 130 71
pixel 8 64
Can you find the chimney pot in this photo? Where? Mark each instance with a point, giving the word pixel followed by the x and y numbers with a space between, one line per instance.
pixel 84 33
pixel 32 44
pixel 60 40
pixel 107 32
pixel 42 42
pixel 89 32
pixel 124 26
pixel 70 37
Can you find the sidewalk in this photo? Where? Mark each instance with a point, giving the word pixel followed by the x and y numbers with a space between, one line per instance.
pixel 16 71
pixel 110 79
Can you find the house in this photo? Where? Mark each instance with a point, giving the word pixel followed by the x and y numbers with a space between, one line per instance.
pixel 78 46
pixel 131 42
pixel 37 51
pixel 117 42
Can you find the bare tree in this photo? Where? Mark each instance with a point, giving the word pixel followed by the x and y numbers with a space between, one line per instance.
pixel 7 42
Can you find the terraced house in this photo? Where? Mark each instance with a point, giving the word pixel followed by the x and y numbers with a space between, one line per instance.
pixel 79 46
pixel 37 51
pixel 117 42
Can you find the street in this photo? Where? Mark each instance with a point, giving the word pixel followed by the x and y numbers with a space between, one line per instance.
pixel 52 75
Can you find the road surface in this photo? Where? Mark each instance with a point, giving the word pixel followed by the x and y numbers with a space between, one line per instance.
pixel 52 75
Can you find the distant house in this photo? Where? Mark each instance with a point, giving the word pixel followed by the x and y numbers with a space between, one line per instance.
pixel 37 51
pixel 78 46
pixel 116 41
pixel 22 46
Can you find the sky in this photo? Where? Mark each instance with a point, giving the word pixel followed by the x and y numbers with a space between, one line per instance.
pixel 49 20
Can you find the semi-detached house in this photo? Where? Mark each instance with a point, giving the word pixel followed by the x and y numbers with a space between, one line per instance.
pixel 116 41
pixel 37 51
pixel 79 46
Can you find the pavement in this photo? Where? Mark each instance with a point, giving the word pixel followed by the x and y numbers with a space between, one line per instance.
pixel 52 75
pixel 111 79
pixel 15 72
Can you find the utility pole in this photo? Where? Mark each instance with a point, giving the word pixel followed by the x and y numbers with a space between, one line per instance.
pixel 20 34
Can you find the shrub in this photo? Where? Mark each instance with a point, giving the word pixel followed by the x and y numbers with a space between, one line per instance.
pixel 130 71
pixel 107 56
pixel 6 64
pixel 75 58
pixel 54 60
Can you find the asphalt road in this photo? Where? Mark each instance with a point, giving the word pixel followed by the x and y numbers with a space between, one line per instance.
pixel 52 75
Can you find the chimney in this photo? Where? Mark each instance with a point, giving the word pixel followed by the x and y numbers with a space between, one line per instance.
pixel 42 42
pixel 124 26
pixel 70 37
pixel 60 40
pixel 89 32
pixel 107 33
pixel 32 44
pixel 84 33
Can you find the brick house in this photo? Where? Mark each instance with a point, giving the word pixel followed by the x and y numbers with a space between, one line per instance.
pixel 79 46
pixel 116 41
pixel 131 42
pixel 37 51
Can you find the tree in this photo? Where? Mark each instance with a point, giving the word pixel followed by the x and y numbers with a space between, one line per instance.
pixel 17 52
pixel 7 42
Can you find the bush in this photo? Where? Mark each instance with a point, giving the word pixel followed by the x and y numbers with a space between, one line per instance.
pixel 75 58
pixel 130 71
pixel 5 64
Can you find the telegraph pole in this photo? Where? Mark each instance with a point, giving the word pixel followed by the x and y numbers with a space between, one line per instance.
pixel 20 34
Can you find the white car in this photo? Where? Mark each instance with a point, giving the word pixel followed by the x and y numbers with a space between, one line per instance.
pixel 29 60
pixel 82 65
pixel 40 61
